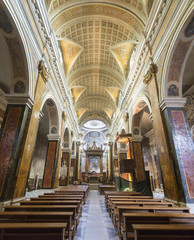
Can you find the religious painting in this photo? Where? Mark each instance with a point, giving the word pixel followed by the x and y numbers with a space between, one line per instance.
pixel 94 164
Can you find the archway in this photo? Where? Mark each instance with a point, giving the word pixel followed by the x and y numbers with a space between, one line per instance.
pixel 44 153
pixel 143 133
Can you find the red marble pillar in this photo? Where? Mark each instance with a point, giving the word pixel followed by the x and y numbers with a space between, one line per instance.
pixel 12 136
pixel 167 168
pixel 138 157
pixel 181 146
pixel 51 163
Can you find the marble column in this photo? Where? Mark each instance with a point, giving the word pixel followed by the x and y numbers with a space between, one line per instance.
pixel 12 138
pixel 27 151
pixel 168 173
pixel 77 159
pixel 86 168
pixel 51 161
pixel 181 146
pixel 138 157
pixel 110 161
pixel 56 182
pixel 101 168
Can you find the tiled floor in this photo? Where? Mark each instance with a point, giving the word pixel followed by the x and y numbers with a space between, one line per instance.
pixel 95 223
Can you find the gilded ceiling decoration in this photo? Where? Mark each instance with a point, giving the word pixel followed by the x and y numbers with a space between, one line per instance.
pixel 97 40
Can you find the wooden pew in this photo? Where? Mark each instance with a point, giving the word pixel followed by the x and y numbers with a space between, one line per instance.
pixel 103 188
pixel 107 196
pixel 118 217
pixel 152 218
pixel 47 208
pixel 55 202
pixel 41 217
pixel 32 231
pixel 163 232
pixel 125 200
pixel 54 197
pixel 76 189
pixel 115 204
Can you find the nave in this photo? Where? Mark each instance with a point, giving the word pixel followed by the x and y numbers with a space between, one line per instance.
pixel 78 213
pixel 95 222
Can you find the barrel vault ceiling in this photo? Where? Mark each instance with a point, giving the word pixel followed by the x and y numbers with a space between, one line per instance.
pixel 97 40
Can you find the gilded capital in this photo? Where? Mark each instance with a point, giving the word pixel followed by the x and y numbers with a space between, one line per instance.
pixel 151 72
pixel 43 71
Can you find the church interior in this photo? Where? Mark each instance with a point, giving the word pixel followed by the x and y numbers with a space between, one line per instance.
pixel 96 112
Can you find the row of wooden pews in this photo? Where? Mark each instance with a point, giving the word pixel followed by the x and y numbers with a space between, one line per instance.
pixel 142 217
pixel 47 217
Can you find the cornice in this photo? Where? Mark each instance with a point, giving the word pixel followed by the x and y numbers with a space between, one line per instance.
pixel 52 46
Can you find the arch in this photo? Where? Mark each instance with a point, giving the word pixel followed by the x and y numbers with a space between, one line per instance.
pixel 17 21
pixel 141 111
pixel 66 138
pixel 176 58
pixel 140 102
pixel 53 110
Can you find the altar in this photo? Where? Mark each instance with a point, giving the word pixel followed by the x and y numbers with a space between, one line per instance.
pixel 94 164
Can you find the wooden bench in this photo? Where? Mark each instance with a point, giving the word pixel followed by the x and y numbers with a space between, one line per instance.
pixel 47 208
pixel 163 232
pixel 126 200
pixel 103 188
pixel 55 202
pixel 32 231
pixel 115 204
pixel 152 218
pixel 130 195
pixel 118 217
pixel 49 217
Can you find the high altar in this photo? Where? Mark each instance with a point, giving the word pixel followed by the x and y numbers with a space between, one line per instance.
pixel 94 163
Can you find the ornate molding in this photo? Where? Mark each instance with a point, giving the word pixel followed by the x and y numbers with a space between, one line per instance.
pixel 43 71
pixel 173 102
pixel 150 73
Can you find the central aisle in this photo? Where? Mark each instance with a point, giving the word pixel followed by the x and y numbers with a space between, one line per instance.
pixel 95 223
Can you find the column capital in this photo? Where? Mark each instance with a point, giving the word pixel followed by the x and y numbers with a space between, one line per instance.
pixel 54 137
pixel 66 150
pixel 19 100
pixel 43 71
pixel 137 138
pixel 150 73
pixel 173 102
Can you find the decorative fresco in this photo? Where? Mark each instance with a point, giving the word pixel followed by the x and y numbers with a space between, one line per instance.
pixel 173 90
pixel 16 57
pixel 177 60
pixel 94 164
pixel 4 21
pixel 184 148
pixel 101 10
pixel 189 31
pixel 7 141
pixel 50 164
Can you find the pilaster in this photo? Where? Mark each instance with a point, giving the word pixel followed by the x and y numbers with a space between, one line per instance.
pixel 181 146
pixel 169 178
pixel 12 138
pixel 27 151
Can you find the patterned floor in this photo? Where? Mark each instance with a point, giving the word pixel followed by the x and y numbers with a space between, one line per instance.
pixel 95 223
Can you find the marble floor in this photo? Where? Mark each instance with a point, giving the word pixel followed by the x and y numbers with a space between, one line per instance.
pixel 95 223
